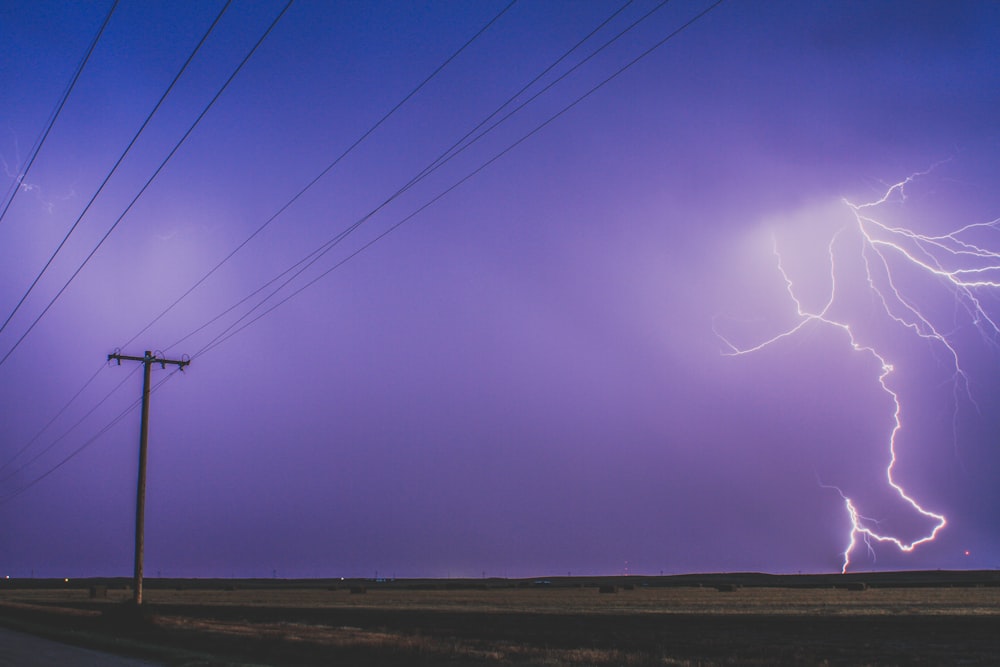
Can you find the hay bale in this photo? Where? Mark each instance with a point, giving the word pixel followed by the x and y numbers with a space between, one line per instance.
pixel 98 592
pixel 608 589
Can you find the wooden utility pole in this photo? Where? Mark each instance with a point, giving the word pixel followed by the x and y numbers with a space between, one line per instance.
pixel 148 359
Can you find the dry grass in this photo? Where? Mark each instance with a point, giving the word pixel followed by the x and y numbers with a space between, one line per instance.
pixel 782 601
pixel 681 627
pixel 451 649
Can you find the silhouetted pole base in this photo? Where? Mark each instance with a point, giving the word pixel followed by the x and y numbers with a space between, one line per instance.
pixel 127 616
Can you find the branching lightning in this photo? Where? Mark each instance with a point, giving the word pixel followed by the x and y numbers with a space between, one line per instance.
pixel 16 176
pixel 963 265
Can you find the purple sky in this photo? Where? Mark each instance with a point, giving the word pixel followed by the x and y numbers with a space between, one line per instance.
pixel 530 376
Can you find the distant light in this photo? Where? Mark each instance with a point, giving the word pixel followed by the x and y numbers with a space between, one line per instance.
pixel 66 580
pixel 966 553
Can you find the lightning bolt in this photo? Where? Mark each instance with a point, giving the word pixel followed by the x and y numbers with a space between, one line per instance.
pixel 16 177
pixel 958 261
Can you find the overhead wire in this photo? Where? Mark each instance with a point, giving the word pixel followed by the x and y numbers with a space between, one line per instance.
pixel 107 427
pixel 357 142
pixel 325 171
pixel 114 168
pixel 145 185
pixel 70 429
pixel 219 340
pixel 461 145
pixel 230 333
pixel 23 173
pixel 53 420
pixel 163 163
pixel 448 154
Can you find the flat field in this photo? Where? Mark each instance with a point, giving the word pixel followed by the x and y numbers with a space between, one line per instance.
pixel 634 621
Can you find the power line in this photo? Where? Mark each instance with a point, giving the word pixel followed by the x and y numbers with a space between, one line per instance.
pixel 290 202
pixel 94 408
pixel 107 427
pixel 53 420
pixel 119 417
pixel 16 187
pixel 65 433
pixel 435 164
pixel 449 155
pixel 145 186
pixel 221 338
pixel 324 172
pixel 445 157
pixel 135 137
pixel 114 168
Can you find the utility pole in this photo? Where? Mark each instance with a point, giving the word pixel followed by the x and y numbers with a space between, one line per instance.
pixel 148 359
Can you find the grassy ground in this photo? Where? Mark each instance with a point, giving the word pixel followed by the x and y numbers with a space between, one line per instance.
pixel 525 624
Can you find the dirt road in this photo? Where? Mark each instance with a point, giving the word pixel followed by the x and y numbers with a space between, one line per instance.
pixel 21 650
